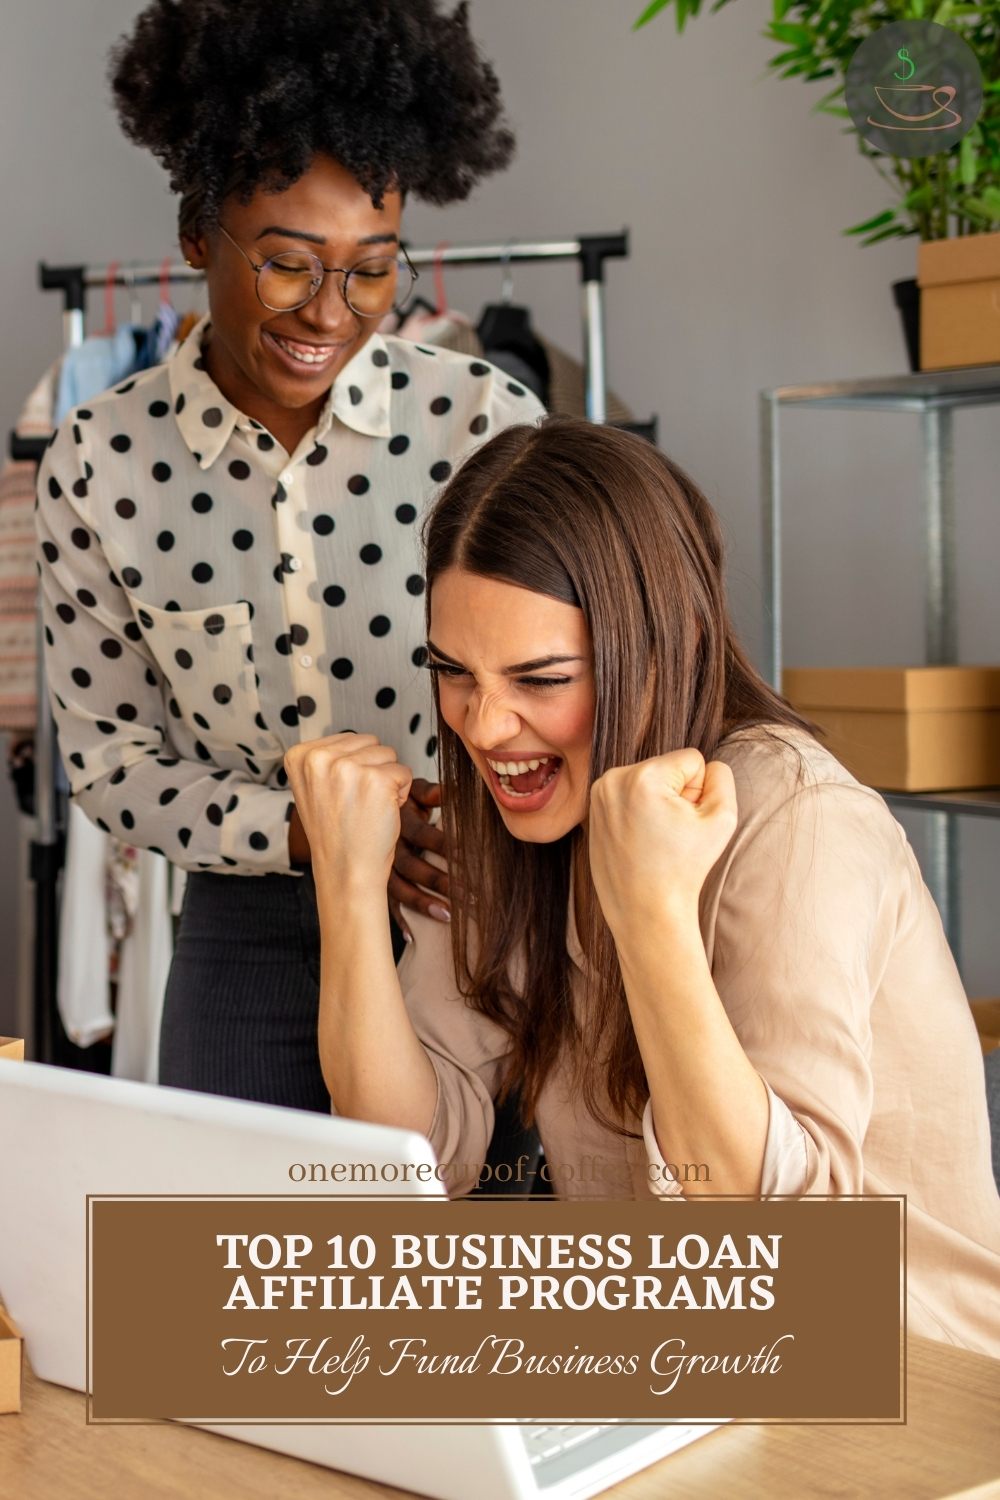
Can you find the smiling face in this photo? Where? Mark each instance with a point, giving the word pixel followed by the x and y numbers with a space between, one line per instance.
pixel 516 684
pixel 252 353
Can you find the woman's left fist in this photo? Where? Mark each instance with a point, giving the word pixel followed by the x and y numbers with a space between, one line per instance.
pixel 348 790
pixel 655 831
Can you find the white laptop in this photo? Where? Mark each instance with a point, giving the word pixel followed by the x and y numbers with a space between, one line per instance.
pixel 64 1134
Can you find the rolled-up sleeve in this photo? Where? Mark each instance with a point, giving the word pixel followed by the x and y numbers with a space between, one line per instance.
pixel 804 919
pixel 111 705
pixel 466 1050
pixel 785 1154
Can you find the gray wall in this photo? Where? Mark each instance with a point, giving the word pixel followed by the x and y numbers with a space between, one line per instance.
pixel 735 193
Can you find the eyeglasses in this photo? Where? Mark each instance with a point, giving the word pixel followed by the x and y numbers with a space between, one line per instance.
pixel 371 288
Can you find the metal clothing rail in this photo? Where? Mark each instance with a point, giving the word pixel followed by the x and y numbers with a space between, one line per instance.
pixel 589 250
pixel 74 281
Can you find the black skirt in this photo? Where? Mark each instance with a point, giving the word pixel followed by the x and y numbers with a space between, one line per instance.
pixel 241 1009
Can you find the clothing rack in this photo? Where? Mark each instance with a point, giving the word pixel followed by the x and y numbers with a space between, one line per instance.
pixel 73 281
pixel 589 250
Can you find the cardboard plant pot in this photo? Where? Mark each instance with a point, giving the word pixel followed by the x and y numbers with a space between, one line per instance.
pixel 959 301
pixel 906 729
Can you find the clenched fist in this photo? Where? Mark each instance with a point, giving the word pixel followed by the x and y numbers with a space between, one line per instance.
pixel 655 831
pixel 348 791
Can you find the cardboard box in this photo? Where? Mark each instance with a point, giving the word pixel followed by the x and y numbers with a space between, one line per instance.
pixel 11 1356
pixel 13 1047
pixel 959 301
pixel 906 729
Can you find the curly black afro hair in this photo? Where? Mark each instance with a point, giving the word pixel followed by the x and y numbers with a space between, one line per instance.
pixel 234 95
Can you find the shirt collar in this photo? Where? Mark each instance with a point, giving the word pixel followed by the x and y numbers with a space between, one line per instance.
pixel 361 392
pixel 359 397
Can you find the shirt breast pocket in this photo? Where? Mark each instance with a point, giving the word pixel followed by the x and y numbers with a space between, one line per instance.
pixel 206 655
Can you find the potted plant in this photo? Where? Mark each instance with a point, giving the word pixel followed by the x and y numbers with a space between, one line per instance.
pixel 943 197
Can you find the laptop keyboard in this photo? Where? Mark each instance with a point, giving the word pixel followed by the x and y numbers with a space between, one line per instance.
pixel 549 1442
pixel 560 1451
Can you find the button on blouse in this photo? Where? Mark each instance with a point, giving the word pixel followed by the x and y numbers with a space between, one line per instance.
pixel 209 599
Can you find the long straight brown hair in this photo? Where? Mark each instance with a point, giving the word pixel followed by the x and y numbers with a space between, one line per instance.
pixel 599 519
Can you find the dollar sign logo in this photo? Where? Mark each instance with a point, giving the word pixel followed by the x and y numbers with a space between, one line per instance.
pixel 905 57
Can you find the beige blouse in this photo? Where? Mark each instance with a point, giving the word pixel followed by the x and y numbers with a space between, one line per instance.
pixel 829 956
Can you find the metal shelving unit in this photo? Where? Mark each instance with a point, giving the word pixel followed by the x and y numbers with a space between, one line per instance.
pixel 934 398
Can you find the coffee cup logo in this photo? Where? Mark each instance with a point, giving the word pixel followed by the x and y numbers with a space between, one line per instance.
pixel 914 88
pixel 917 112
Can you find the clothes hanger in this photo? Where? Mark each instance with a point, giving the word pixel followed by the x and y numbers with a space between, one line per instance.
pixel 110 282
pixel 135 303
pixel 505 325
pixel 165 267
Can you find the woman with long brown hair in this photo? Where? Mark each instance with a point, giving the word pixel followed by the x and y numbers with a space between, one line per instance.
pixel 701 950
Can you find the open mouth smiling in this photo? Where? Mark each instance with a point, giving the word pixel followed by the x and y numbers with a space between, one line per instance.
pixel 526 780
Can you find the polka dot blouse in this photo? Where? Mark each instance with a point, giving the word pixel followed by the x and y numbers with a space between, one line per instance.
pixel 210 601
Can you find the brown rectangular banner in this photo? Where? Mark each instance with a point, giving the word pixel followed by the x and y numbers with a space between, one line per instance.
pixel 276 1309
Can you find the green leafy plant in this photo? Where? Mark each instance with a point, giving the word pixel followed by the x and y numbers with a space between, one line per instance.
pixel 956 192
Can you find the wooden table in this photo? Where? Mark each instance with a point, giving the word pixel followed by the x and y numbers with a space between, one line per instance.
pixel 950 1446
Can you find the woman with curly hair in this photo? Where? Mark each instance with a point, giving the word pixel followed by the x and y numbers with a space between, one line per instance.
pixel 702 951
pixel 228 542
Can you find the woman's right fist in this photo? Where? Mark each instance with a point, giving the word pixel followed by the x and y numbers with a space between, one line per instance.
pixel 348 791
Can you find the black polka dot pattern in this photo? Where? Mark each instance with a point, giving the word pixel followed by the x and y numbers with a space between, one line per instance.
pixel 213 598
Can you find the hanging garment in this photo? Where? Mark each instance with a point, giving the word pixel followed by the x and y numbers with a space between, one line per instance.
pixel 98 363
pixel 447 330
pixel 83 991
pixel 115 931
pixel 565 391
pixel 18 577
pixel 115 945
pixel 144 958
